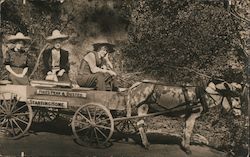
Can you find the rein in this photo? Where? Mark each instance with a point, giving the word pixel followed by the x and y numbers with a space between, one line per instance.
pixel 166 84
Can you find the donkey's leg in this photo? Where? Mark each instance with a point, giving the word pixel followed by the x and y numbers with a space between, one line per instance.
pixel 143 110
pixel 189 125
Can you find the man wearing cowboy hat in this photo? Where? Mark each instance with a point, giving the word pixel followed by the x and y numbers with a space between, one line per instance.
pixel 96 69
pixel 55 59
pixel 16 61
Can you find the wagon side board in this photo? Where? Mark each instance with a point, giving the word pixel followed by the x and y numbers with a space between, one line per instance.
pixel 22 92
pixel 75 99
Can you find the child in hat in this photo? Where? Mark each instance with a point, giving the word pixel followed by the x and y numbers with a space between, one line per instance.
pixel 55 59
pixel 16 61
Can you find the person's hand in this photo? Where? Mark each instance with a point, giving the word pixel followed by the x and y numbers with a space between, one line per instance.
pixel 112 73
pixel 61 72
pixel 49 73
pixel 55 78
pixel 51 77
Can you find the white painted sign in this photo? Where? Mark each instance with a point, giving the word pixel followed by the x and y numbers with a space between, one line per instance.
pixel 47 103
pixel 60 93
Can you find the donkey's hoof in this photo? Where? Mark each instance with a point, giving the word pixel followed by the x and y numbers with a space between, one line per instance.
pixel 188 151
pixel 146 145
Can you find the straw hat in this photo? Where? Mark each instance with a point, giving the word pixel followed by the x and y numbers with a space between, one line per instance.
pixel 18 36
pixel 56 34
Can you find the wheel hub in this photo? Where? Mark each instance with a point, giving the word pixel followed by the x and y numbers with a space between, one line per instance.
pixel 93 124
pixel 8 115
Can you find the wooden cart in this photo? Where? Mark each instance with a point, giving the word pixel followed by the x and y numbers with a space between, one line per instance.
pixel 92 121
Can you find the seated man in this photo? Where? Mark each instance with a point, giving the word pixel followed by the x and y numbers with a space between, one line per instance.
pixel 95 69
pixel 55 59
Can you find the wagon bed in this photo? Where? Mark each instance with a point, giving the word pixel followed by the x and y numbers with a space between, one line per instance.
pixel 23 104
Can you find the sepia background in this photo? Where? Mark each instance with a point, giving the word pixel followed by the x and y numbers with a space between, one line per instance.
pixel 188 41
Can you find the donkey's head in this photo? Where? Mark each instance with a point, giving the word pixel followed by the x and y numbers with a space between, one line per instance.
pixel 225 94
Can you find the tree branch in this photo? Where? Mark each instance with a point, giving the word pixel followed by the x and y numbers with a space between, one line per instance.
pixel 37 62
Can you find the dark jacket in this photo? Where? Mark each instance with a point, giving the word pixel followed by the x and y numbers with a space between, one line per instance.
pixel 47 60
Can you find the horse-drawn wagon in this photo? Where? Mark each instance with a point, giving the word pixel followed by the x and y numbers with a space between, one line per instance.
pixel 96 114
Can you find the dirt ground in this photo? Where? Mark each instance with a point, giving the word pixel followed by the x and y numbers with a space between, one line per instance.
pixel 56 145
pixel 56 140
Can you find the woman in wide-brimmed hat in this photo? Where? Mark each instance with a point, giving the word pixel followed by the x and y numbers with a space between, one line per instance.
pixel 55 59
pixel 16 61
pixel 96 69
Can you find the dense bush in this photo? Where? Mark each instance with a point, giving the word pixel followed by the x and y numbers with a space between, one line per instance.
pixel 165 35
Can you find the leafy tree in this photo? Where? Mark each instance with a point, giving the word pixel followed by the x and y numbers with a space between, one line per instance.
pixel 166 35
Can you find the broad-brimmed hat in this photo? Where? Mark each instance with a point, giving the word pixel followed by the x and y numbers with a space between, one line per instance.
pixel 56 34
pixel 109 46
pixel 18 36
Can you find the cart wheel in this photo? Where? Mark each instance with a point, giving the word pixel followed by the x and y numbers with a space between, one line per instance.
pixel 15 116
pixel 43 115
pixel 93 125
pixel 126 127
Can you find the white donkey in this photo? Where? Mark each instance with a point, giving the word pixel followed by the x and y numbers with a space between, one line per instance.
pixel 187 101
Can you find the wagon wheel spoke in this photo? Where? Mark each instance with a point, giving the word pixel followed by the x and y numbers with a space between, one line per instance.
pixel 4 103
pixel 119 122
pixel 12 128
pixel 39 116
pixel 18 125
pixel 84 117
pixel 96 136
pixel 86 127
pixel 2 115
pixel 94 114
pixel 104 120
pixel 101 132
pixel 1 119
pixel 21 114
pixel 35 113
pixel 19 108
pixel 3 122
pixel 7 106
pixel 16 118
pixel 103 127
pixel 90 117
pixel 3 109
pixel 14 105
pixel 82 122
pixel 133 125
pixel 100 115
pixel 46 116
pixel 7 124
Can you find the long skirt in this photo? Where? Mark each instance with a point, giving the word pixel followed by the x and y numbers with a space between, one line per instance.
pixel 18 80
